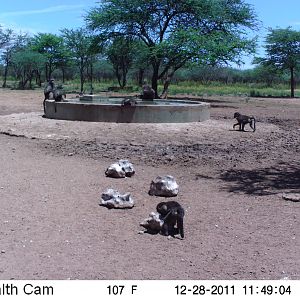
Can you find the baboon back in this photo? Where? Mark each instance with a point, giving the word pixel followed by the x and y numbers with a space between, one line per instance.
pixel 172 213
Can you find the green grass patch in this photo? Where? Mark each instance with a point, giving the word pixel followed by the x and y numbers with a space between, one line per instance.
pixel 217 88
pixel 192 88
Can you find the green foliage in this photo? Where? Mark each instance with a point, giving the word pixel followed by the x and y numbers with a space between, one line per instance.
pixel 78 42
pixel 52 47
pixel 82 51
pixel 13 43
pixel 5 37
pixel 195 88
pixel 25 64
pixel 282 51
pixel 121 54
pixel 283 48
pixel 235 89
pixel 178 31
pixel 187 41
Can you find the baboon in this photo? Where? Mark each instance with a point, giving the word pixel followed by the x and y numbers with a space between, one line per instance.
pixel 242 120
pixel 49 88
pixel 128 102
pixel 172 214
pixel 148 93
pixel 58 93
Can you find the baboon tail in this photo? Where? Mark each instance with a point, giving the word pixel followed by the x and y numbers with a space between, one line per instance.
pixel 180 226
pixel 252 124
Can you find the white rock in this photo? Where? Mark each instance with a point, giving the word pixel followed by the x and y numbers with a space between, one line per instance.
pixel 165 186
pixel 113 199
pixel 115 171
pixel 121 169
pixel 153 223
pixel 127 167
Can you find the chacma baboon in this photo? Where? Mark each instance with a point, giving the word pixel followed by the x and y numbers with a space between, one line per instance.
pixel 128 102
pixel 58 93
pixel 242 120
pixel 172 214
pixel 148 92
pixel 49 88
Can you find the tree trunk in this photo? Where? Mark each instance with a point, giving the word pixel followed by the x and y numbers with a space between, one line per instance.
pixel 167 82
pixel 30 81
pixel 141 76
pixel 81 82
pixel 38 78
pixel 63 74
pixel 51 69
pixel 155 79
pixel 5 76
pixel 46 71
pixel 124 79
pixel 81 75
pixel 118 75
pixel 91 78
pixel 292 83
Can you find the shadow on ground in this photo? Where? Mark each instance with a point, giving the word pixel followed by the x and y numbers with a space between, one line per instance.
pixel 265 181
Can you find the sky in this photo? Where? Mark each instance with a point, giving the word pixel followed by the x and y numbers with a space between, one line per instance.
pixel 45 16
pixel 49 16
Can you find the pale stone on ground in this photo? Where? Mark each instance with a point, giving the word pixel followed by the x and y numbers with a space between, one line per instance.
pixel 123 168
pixel 113 199
pixel 165 186
pixel 153 223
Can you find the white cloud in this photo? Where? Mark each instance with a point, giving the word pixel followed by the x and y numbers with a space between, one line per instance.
pixel 41 11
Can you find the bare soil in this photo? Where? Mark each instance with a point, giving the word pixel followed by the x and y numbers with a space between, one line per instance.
pixel 237 224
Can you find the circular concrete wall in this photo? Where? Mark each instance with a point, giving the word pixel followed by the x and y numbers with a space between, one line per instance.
pixel 111 110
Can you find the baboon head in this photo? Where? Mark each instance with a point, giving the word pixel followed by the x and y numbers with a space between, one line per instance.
pixel 236 114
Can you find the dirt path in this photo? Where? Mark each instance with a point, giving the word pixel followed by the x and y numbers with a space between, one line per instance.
pixel 237 224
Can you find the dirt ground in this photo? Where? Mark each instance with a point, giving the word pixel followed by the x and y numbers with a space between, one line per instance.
pixel 237 224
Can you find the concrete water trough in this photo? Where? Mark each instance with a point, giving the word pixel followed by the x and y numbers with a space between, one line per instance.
pixel 94 108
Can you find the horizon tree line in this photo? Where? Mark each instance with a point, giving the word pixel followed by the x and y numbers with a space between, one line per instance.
pixel 156 39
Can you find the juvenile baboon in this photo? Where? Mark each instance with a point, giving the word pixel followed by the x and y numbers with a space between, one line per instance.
pixel 148 93
pixel 128 102
pixel 242 120
pixel 172 214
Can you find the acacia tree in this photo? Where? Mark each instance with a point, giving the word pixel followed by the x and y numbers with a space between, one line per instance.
pixel 6 41
pixel 4 36
pixel 52 47
pixel 27 64
pixel 121 55
pixel 176 32
pixel 282 52
pixel 79 42
pixel 15 42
